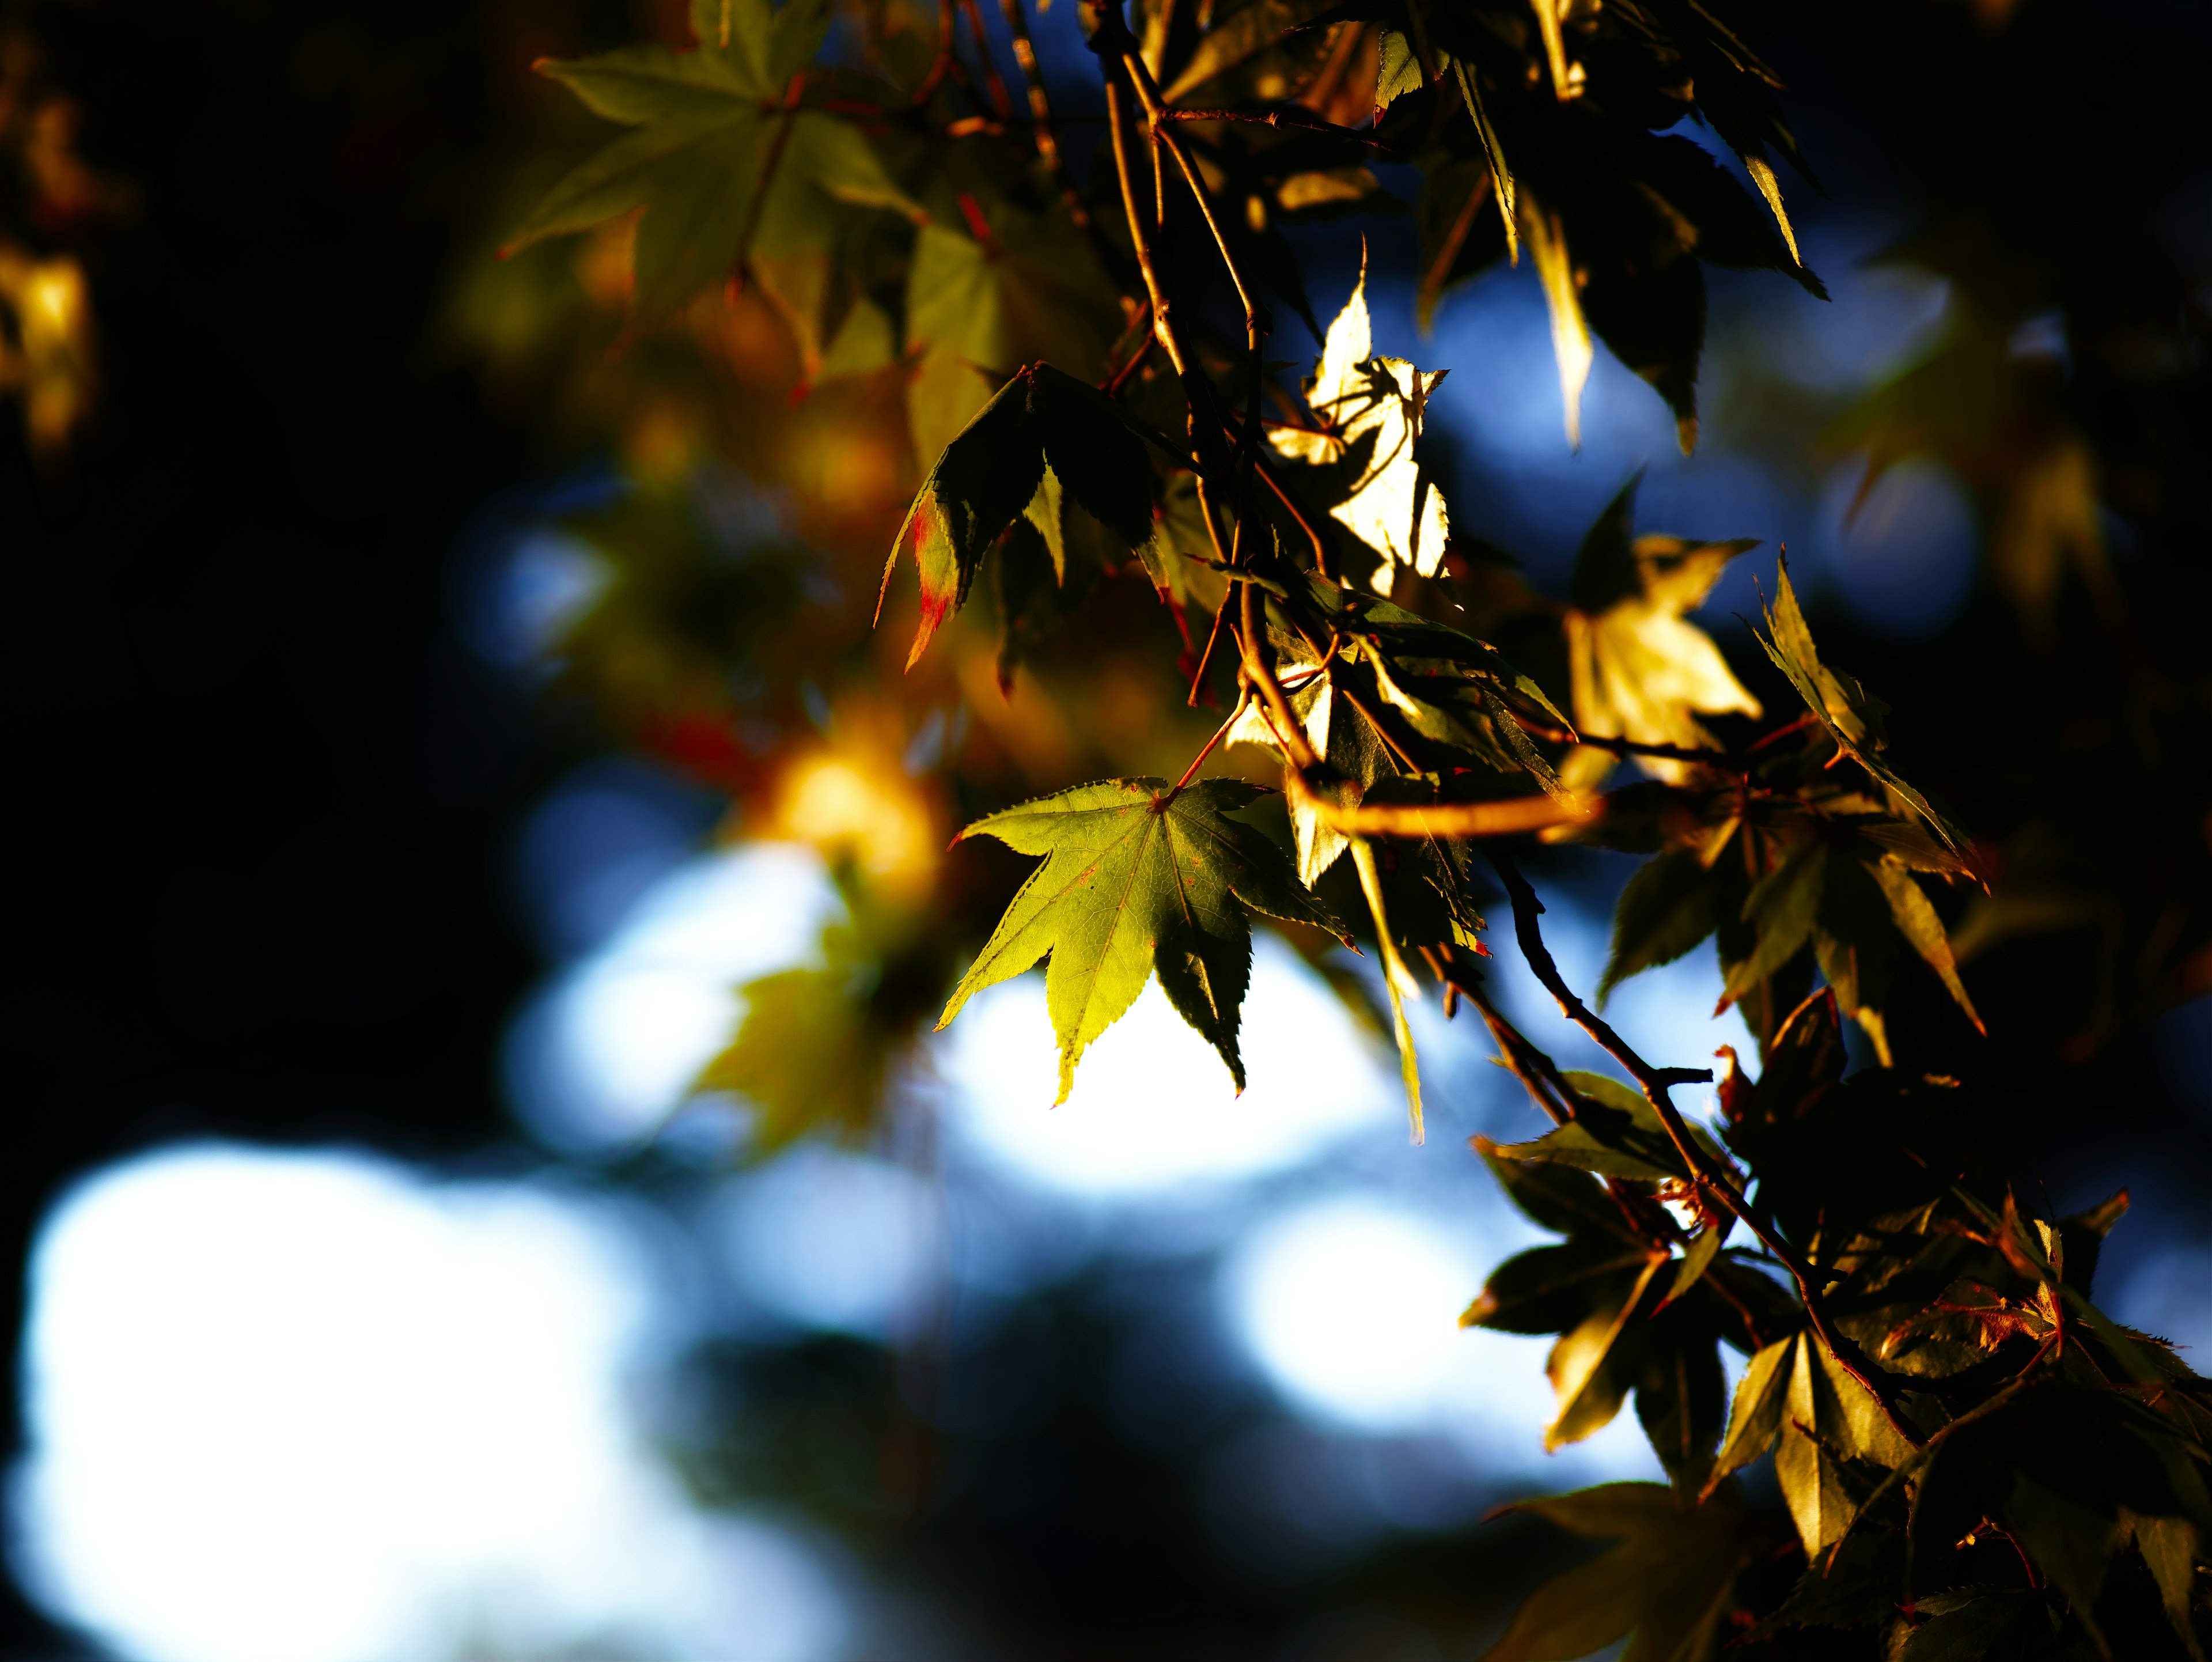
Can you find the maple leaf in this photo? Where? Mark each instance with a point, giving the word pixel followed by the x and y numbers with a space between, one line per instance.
pixel 1851 715
pixel 1139 879
pixel 1371 409
pixel 719 150
pixel 1639 669
pixel 1667 1581
pixel 1041 423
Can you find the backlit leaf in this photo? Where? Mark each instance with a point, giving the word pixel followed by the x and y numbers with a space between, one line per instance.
pixel 1370 411
pixel 1138 880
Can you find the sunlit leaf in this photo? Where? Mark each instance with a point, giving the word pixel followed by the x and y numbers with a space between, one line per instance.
pixel 1640 669
pixel 1370 410
pixel 1138 880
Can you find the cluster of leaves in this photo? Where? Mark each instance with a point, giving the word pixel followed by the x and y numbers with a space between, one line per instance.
pixel 1973 1460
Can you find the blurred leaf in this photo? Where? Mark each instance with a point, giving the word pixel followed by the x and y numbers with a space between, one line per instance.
pixel 1968 1625
pixel 1668 1583
pixel 718 144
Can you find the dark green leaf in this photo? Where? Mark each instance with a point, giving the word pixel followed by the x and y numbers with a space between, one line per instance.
pixel 1968 1625
pixel 986 476
pixel 1852 716
pixel 1666 909
pixel 1781 906
pixel 1099 460
pixel 1760 1398
pixel 1549 1290
pixel 1559 1197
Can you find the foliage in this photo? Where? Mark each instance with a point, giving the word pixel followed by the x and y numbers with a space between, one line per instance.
pixel 1972 1458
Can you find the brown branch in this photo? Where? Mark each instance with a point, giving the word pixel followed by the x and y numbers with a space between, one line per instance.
pixel 1047 135
pixel 1291 118
pixel 1257 320
pixel 1505 816
pixel 1655 1083
pixel 1162 324
pixel 1111 386
pixel 1628 746
pixel 1259 672
pixel 1213 636
pixel 940 65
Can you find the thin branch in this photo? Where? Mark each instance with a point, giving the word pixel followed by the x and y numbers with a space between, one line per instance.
pixel 940 65
pixel 1299 119
pixel 1111 386
pixel 1048 137
pixel 1163 322
pixel 1655 1083
pixel 1213 636
pixel 1260 670
pixel 1505 816
pixel 1000 101
pixel 1629 746
pixel 1257 320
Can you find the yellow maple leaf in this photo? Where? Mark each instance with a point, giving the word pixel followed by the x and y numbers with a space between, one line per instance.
pixel 1640 670
pixel 1392 505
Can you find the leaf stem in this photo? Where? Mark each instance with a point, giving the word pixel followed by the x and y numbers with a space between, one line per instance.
pixel 1298 118
pixel 1220 733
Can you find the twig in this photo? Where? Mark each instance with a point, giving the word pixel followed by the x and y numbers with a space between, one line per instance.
pixel 1163 320
pixel 1506 817
pixel 1112 384
pixel 1628 746
pixel 1048 137
pixel 1260 670
pixel 1293 117
pixel 1000 101
pixel 1257 320
pixel 940 65
pixel 1214 635
pixel 1655 1083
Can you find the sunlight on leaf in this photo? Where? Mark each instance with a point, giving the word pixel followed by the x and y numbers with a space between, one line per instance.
pixel 1370 410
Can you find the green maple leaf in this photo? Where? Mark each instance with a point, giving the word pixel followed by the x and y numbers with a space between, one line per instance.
pixel 718 151
pixel 1138 879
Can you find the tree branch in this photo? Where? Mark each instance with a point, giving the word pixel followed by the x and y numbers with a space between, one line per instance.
pixel 1655 1083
